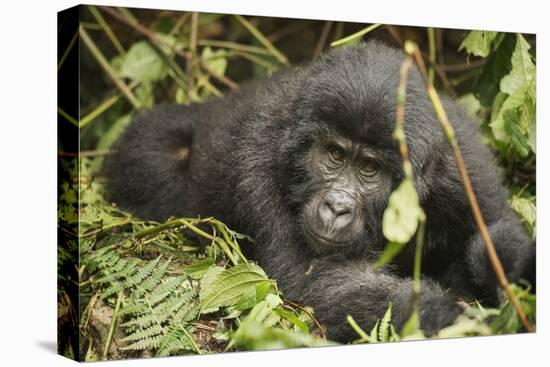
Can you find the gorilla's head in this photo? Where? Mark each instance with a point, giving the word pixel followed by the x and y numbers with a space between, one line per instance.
pixel 343 158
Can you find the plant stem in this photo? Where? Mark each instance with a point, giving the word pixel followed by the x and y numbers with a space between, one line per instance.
pixel 158 41
pixel 108 31
pixel 412 49
pixel 357 329
pixel 262 39
pixel 327 27
pixel 233 46
pixel 67 51
pixel 105 64
pixel 418 261
pixel 103 106
pixel 112 326
pixel 353 37
pixel 432 50
pixel 68 117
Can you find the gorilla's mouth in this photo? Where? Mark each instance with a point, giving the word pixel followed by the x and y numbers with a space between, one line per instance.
pixel 318 238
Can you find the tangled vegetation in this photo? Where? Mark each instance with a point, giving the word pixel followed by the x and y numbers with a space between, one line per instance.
pixel 133 288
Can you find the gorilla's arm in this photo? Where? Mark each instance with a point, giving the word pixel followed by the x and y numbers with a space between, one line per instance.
pixel 339 288
pixel 336 286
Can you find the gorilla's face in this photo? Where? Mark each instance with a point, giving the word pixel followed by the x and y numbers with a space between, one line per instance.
pixel 350 181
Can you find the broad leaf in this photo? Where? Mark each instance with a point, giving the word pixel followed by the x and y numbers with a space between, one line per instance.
pixel 523 68
pixel 143 63
pixel 479 43
pixel 401 217
pixel 229 286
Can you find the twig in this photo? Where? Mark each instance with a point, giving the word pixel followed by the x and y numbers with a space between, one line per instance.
pixel 440 73
pixel 68 117
pixel 179 23
pixel 190 65
pixel 104 106
pixel 351 37
pixel 107 67
pixel 67 51
pixel 310 315
pixel 158 41
pixel 432 50
pixel 364 336
pixel 262 39
pixel 399 134
pixel 234 46
pixel 221 78
pixel 412 49
pixel 322 39
pixel 462 67
pixel 112 326
pixel 85 153
pixel 107 29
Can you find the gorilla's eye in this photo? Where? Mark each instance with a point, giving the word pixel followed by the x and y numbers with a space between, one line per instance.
pixel 369 169
pixel 336 154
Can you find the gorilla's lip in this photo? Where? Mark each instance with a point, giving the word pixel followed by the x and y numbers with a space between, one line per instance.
pixel 324 240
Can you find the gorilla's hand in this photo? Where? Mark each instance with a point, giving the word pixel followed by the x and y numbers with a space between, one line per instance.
pixel 336 287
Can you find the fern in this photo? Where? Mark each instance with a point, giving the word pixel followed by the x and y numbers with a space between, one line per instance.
pixel 157 307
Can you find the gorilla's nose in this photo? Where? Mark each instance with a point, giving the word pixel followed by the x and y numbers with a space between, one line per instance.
pixel 336 210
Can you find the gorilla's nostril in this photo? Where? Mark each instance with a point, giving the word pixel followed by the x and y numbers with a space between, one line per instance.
pixel 335 215
pixel 342 220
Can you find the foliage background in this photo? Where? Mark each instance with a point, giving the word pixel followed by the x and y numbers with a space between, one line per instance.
pixel 132 59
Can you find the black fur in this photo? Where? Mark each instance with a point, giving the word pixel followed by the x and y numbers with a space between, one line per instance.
pixel 245 161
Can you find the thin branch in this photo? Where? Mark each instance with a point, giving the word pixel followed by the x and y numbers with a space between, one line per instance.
pixel 432 51
pixel 85 153
pixel 104 106
pixel 327 27
pixel 262 39
pixel 412 48
pixel 112 325
pixel 158 41
pixel 462 67
pixel 221 78
pixel 179 23
pixel 354 36
pixel 233 46
pixel 107 29
pixel 302 308
pixel 392 30
pixel 107 67
pixel 190 64
pixel 68 117
pixel 67 51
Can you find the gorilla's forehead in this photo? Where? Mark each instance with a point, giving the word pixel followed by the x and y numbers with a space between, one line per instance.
pixel 354 90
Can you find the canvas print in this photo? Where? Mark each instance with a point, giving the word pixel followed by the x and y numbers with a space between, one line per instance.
pixel 233 183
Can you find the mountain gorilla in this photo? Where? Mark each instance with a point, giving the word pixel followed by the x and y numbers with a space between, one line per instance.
pixel 304 163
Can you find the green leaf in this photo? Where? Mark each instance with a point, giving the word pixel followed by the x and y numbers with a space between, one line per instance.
pixel 401 217
pixel 197 269
pixel 384 333
pixel 113 132
pixel 143 63
pixel 215 60
pixel 497 65
pixel 470 104
pixel 523 68
pixel 229 286
pixel 412 326
pixel 391 250
pixel 516 136
pixel 478 43
pixel 525 208
pixel 210 276
pixel 287 315
pixel 170 44
pixel 511 103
